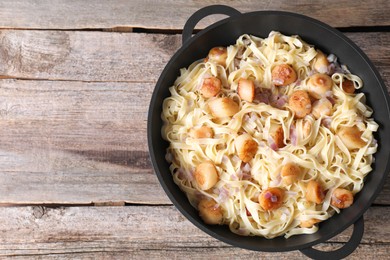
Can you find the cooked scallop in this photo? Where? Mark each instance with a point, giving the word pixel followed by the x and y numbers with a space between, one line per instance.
pixel 348 86
pixel 300 103
pixel 283 75
pixel 206 175
pixel 210 87
pixel 276 135
pixel 309 223
pixel 314 192
pixel 271 198
pixel 321 108
pixel 210 212
pixel 321 63
pixel 246 147
pixel 290 173
pixel 223 107
pixel 351 137
pixel 246 89
pixel 202 132
pixel 319 84
pixel 218 55
pixel 342 198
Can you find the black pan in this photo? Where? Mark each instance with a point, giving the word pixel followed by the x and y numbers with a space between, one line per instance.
pixel 224 33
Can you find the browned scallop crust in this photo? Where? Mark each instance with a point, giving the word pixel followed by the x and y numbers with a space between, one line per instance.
pixel 223 107
pixel 351 137
pixel 314 192
pixel 278 137
pixel 202 132
pixel 348 86
pixel 210 212
pixel 322 107
pixel 319 84
pixel 309 223
pixel 290 173
pixel 283 74
pixel 271 198
pixel 246 89
pixel 210 87
pixel 218 55
pixel 246 147
pixel 342 198
pixel 321 62
pixel 300 103
pixel 206 175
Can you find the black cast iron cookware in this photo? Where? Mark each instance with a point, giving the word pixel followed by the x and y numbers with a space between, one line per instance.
pixel 324 37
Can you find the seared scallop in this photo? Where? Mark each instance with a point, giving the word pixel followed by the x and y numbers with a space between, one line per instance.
pixel 319 84
pixel 271 198
pixel 351 137
pixel 321 63
pixel 283 75
pixel 206 175
pixel 246 89
pixel 210 87
pixel 321 108
pixel 201 132
pixel 276 137
pixel 299 102
pixel 223 107
pixel 246 147
pixel 290 173
pixel 309 223
pixel 210 212
pixel 342 198
pixel 314 192
pixel 218 55
pixel 348 86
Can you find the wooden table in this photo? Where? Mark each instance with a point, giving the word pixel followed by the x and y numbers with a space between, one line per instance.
pixel 76 80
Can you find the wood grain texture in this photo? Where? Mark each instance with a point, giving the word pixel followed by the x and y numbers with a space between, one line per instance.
pixel 79 14
pixel 75 142
pixel 80 143
pixel 144 231
pixel 119 57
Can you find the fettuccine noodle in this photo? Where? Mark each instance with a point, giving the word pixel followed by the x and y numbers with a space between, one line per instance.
pixel 313 144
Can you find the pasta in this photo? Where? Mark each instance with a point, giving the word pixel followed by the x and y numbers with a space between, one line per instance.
pixel 268 136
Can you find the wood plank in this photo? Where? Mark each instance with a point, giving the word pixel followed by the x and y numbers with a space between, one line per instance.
pixel 79 143
pixel 75 142
pixel 378 251
pixel 143 231
pixel 79 14
pixel 60 55
pixel 63 55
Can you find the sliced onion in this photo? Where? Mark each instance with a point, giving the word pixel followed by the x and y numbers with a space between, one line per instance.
pixel 274 198
pixel 279 101
pixel 272 144
pixel 326 122
pixel 293 135
pixel 268 195
pixel 262 95
pixel 331 99
pixel 332 58
pixel 247 167
pixel 223 195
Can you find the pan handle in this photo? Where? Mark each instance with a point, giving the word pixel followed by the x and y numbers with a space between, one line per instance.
pixel 202 13
pixel 347 249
